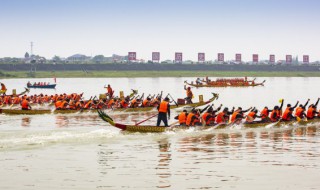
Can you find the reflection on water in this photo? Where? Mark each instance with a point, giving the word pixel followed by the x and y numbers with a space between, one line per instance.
pixel 163 167
pixel 25 122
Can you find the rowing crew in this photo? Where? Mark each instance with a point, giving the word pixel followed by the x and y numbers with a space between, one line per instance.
pixel 213 116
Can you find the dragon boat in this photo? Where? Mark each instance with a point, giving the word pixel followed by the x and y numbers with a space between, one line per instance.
pixel 50 86
pixel 68 111
pixel 227 84
pixel 172 127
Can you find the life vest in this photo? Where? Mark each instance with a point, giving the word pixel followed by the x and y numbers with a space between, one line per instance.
pixel 110 91
pixel 87 105
pixel 272 117
pixel 204 117
pixel 189 118
pixel 63 104
pixel 251 116
pixel 264 113
pixel 220 117
pixel 110 103
pixel 189 93
pixel 16 100
pixel 145 103
pixel 310 113
pixel 25 104
pixel 133 102
pixel 182 118
pixel 78 105
pixel 163 108
pixel 299 112
pixel 234 116
pixel 124 104
pixel 58 104
pixel 286 114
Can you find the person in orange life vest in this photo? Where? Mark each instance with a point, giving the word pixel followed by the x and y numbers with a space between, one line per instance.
pixel 146 102
pixel 125 102
pixel 300 111
pixel 164 109
pixel 135 103
pixel 3 89
pixel 182 117
pixel 208 118
pixel 289 106
pixel 223 117
pixel 189 95
pixel 109 91
pixel 252 115
pixel 312 110
pixel 287 115
pixel 275 115
pixel 264 114
pixel 191 118
pixel 238 114
pixel 25 104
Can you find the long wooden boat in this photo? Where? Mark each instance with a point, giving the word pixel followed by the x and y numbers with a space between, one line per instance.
pixel 42 86
pixel 160 129
pixel 224 85
pixel 26 90
pixel 138 109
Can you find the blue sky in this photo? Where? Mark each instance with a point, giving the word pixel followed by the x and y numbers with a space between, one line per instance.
pixel 105 27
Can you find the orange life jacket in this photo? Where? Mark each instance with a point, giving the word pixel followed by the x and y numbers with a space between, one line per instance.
pixel 145 103
pixel 189 93
pixel 204 117
pixel 286 114
pixel 310 113
pixel 182 118
pixel 252 116
pixel 124 104
pixel 220 117
pixel 299 111
pixel 264 113
pixel 16 100
pixel 189 118
pixel 25 104
pixel 110 103
pixel 58 104
pixel 234 115
pixel 163 108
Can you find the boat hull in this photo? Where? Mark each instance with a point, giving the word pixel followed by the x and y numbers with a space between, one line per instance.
pixel 42 86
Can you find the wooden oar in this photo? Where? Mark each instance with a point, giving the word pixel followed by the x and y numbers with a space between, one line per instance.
pixel 173 100
pixel 146 119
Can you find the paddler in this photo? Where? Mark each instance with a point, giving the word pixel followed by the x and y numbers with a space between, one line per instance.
pixel 252 115
pixel 209 116
pixel 300 111
pixel 287 114
pixel 164 109
pixel 25 104
pixel 238 115
pixel 223 117
pixel 312 110
pixel 264 114
pixel 182 117
pixel 191 118
pixel 189 95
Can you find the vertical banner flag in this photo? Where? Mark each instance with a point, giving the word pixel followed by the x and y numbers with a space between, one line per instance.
pixel 132 56
pixel 238 57
pixel 305 58
pixel 288 58
pixel 272 59
pixel 155 56
pixel 178 57
pixel 255 58
pixel 201 57
pixel 220 57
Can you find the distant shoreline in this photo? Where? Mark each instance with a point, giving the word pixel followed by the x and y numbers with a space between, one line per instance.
pixel 135 74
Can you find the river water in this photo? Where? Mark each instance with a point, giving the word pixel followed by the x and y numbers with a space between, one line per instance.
pixel 80 151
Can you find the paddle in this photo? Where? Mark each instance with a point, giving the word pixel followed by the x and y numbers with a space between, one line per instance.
pixel 173 100
pixel 146 119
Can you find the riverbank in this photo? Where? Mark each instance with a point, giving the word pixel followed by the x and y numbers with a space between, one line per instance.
pixel 134 74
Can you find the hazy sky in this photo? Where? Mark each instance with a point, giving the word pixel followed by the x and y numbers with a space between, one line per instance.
pixel 91 27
